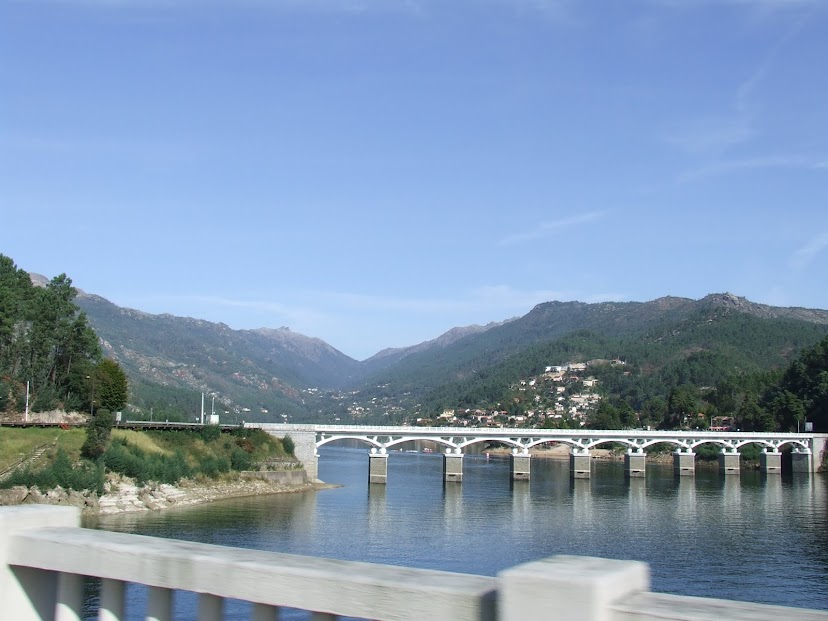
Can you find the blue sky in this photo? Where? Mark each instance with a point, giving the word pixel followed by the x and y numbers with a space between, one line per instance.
pixel 376 172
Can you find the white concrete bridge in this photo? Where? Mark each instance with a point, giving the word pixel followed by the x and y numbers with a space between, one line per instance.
pixel 807 448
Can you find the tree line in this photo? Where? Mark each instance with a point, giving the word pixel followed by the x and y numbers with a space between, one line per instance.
pixel 46 342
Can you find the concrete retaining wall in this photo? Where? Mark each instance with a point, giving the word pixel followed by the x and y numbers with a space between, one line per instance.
pixel 281 477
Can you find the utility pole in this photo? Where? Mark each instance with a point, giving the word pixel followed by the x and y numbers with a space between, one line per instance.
pixel 92 402
pixel 202 408
pixel 26 416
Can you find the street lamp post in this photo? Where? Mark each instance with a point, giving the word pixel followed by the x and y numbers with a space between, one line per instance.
pixel 92 400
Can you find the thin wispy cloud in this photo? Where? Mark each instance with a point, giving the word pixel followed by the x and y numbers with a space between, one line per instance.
pixel 555 10
pixel 341 6
pixel 550 228
pixel 759 5
pixel 713 138
pixel 710 135
pixel 805 255
pixel 724 167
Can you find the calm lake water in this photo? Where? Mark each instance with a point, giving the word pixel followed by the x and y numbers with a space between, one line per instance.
pixel 753 537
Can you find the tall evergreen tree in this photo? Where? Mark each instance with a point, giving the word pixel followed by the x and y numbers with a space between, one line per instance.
pixel 111 381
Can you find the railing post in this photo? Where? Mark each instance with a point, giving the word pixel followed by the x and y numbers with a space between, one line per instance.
pixel 159 604
pixel 210 607
pixel 575 588
pixel 111 606
pixel 69 605
pixel 30 594
pixel 263 612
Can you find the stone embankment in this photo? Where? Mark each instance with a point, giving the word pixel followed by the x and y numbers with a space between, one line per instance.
pixel 122 495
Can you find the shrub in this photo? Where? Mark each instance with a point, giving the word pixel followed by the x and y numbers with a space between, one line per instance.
pixel 133 462
pixel 128 461
pixel 288 445
pixel 214 466
pixel 708 451
pixel 97 434
pixel 750 452
pixel 240 459
pixel 60 473
pixel 177 468
pixel 210 433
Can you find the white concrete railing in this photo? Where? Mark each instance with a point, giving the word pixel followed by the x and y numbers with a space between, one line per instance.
pixel 44 557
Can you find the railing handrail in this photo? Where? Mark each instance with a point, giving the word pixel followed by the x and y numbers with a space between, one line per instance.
pixel 346 588
pixel 38 540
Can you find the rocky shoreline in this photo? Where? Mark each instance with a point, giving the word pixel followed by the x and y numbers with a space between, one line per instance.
pixel 122 495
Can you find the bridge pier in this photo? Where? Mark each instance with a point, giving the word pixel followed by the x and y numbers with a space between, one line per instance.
pixel 304 443
pixel 770 462
pixel 684 464
pixel 453 466
pixel 729 462
pixel 580 463
pixel 519 465
pixel 801 460
pixel 378 466
pixel 635 464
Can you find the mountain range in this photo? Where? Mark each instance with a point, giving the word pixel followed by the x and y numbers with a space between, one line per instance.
pixel 267 373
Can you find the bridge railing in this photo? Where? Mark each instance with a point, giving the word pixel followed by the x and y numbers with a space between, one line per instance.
pixel 44 557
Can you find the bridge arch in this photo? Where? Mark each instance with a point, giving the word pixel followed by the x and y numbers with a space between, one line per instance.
pixel 565 441
pixel 625 442
pixel 794 444
pixel 435 439
pixel 507 441
pixel 369 441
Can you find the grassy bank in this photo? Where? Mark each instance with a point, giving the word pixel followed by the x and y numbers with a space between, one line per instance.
pixel 47 458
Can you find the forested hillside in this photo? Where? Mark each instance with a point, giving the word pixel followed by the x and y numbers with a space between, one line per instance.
pixel 253 374
pixel 712 357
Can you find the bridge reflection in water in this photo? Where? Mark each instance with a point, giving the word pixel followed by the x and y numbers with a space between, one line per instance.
pixel 807 449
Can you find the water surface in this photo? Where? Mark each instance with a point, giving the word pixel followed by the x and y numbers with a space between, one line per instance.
pixel 752 537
